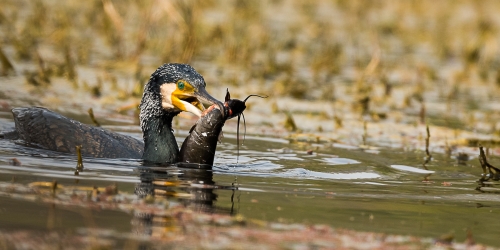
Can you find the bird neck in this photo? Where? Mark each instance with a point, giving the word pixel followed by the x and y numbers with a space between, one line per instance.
pixel 160 145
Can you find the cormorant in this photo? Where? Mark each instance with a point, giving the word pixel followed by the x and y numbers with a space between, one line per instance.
pixel 171 89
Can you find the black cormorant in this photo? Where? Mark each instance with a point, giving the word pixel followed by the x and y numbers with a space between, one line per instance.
pixel 171 89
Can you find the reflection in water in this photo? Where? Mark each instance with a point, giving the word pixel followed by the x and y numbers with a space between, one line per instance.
pixel 189 184
pixel 488 187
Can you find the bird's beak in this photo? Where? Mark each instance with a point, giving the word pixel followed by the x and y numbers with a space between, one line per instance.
pixel 192 102
pixel 204 96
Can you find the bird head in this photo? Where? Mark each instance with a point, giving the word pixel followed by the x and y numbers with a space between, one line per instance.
pixel 173 88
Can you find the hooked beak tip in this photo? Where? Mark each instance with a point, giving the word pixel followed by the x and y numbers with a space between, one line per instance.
pixel 204 96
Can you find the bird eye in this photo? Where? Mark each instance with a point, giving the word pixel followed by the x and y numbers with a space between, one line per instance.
pixel 180 85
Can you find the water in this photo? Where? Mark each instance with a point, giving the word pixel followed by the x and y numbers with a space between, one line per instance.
pixel 380 189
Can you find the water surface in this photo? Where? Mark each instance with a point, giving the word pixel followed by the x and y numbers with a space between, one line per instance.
pixel 381 189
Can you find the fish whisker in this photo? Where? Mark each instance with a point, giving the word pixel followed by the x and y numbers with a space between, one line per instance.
pixel 245 127
pixel 261 96
pixel 238 140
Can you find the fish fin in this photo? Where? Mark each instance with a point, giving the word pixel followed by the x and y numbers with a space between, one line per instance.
pixel 228 96
pixel 191 130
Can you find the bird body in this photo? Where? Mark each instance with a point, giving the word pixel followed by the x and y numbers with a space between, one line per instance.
pixel 46 129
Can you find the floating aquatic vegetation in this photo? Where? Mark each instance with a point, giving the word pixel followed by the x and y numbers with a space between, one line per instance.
pixel 290 122
pixel 489 171
pixel 15 162
pixel 428 156
pixel 7 66
pixel 79 163
pixel 92 117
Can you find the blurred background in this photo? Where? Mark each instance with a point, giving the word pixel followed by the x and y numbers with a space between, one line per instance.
pixel 340 65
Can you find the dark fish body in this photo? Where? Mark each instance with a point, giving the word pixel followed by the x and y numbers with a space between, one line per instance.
pixel 46 129
pixel 201 143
